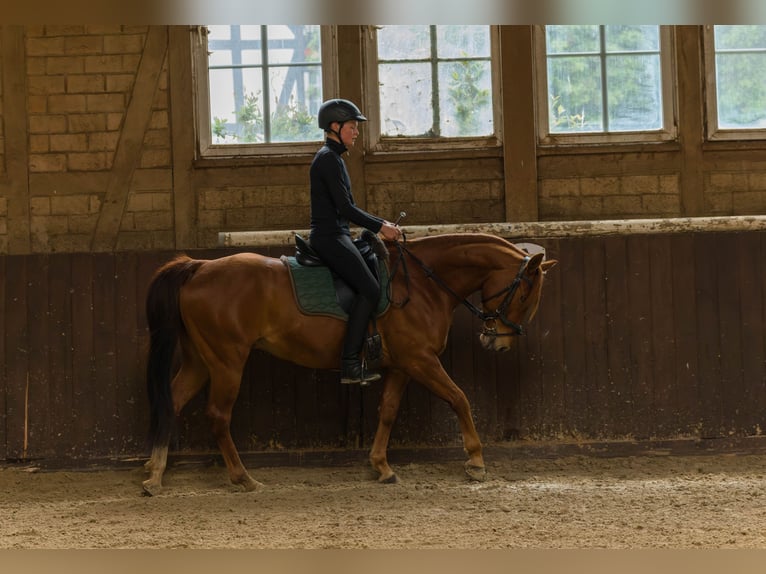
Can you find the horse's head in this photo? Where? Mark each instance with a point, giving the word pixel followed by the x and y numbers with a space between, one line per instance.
pixel 510 298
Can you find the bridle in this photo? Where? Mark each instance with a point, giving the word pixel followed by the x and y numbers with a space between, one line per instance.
pixel 498 314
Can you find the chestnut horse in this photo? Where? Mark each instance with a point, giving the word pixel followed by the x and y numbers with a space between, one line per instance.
pixel 220 309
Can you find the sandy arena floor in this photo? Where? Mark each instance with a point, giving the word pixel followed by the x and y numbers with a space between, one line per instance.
pixel 651 502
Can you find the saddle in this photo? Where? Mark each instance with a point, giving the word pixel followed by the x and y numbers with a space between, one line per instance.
pixel 312 289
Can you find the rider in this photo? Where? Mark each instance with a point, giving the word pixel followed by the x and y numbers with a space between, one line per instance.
pixel 332 208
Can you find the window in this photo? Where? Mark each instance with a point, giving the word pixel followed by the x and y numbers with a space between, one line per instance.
pixel 736 91
pixel 259 87
pixel 604 83
pixel 434 85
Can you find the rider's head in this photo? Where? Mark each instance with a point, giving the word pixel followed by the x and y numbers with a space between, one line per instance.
pixel 335 115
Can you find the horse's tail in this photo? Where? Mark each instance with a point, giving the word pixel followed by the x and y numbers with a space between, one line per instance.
pixel 163 316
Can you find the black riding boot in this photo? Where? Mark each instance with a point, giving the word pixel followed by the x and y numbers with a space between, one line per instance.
pixel 352 371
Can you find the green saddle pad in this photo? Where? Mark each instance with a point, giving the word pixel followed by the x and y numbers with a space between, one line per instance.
pixel 314 289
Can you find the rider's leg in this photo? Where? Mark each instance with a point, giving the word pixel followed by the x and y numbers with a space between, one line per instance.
pixel 339 253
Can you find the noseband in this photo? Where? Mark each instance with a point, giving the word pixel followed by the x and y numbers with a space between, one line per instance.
pixel 497 314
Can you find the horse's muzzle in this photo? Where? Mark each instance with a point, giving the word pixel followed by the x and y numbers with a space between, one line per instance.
pixel 491 342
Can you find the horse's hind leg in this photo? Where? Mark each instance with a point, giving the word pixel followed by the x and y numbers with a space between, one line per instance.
pixel 391 398
pixel 224 387
pixel 189 380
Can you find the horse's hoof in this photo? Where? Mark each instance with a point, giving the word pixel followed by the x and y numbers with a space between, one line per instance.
pixel 477 473
pixel 250 484
pixel 151 488
pixel 393 479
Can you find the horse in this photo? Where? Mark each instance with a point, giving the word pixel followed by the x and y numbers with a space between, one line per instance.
pixel 218 310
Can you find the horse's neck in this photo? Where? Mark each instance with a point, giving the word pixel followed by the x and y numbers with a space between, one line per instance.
pixel 464 263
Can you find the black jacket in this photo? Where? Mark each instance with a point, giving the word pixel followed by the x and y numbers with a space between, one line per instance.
pixel 332 203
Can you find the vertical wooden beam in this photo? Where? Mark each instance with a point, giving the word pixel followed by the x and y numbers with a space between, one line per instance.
pixel 128 154
pixel 519 137
pixel 181 89
pixel 14 71
pixel 690 117
pixel 350 56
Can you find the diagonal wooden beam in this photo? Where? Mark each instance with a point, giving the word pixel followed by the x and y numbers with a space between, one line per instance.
pixel 128 154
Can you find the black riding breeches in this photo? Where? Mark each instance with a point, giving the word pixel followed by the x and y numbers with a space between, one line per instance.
pixel 339 253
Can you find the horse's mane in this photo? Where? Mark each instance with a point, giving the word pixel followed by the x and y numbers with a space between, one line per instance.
pixel 487 238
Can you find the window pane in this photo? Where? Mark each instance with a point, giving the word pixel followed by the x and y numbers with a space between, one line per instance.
pixel 740 37
pixel 406 105
pixel 293 44
pixel 572 39
pixel 435 81
pixel 604 79
pixel 462 41
pixel 297 91
pixel 741 90
pixel 633 88
pixel 465 99
pixel 245 110
pixel 404 42
pixel 740 63
pixel 574 89
pixel 632 38
pixel 237 115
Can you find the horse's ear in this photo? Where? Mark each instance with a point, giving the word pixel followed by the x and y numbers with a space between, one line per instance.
pixel 548 264
pixel 535 261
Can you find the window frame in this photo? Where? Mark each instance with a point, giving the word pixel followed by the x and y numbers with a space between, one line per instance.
pixel 668 132
pixel 375 142
pixel 205 148
pixel 712 131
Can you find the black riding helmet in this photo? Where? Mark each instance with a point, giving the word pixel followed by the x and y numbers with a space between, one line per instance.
pixel 338 110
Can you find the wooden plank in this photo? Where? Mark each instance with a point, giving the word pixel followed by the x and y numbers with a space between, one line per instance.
pixel 16 137
pixel 131 409
pixel 541 229
pixel 618 332
pixel 749 260
pixel 107 392
pixel 181 101
pixel 690 120
pixel 732 384
pixel 684 293
pixel 664 343
pixel 462 371
pixel 84 430
pixel 596 350
pixel 552 389
pixel 518 102
pixel 640 335
pixel 60 345
pixel 16 356
pixel 128 154
pixel 706 253
pixel 4 418
pixel 576 400
pixel 41 425
pixel 258 378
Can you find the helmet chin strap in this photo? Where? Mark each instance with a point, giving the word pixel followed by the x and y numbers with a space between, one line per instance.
pixel 332 131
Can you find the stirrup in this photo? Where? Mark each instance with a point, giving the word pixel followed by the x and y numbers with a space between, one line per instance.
pixel 353 372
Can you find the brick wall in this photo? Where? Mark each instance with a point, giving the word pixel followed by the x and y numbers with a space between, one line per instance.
pixel 610 197
pixel 80 80
pixel 81 84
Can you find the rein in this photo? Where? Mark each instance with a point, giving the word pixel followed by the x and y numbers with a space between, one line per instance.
pixel 497 314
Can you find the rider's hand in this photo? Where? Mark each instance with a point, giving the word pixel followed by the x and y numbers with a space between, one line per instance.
pixel 390 231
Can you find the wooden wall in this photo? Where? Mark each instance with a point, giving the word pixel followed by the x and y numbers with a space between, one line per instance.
pixel 655 336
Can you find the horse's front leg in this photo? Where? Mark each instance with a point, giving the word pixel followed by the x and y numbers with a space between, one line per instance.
pixel 428 371
pixel 393 389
